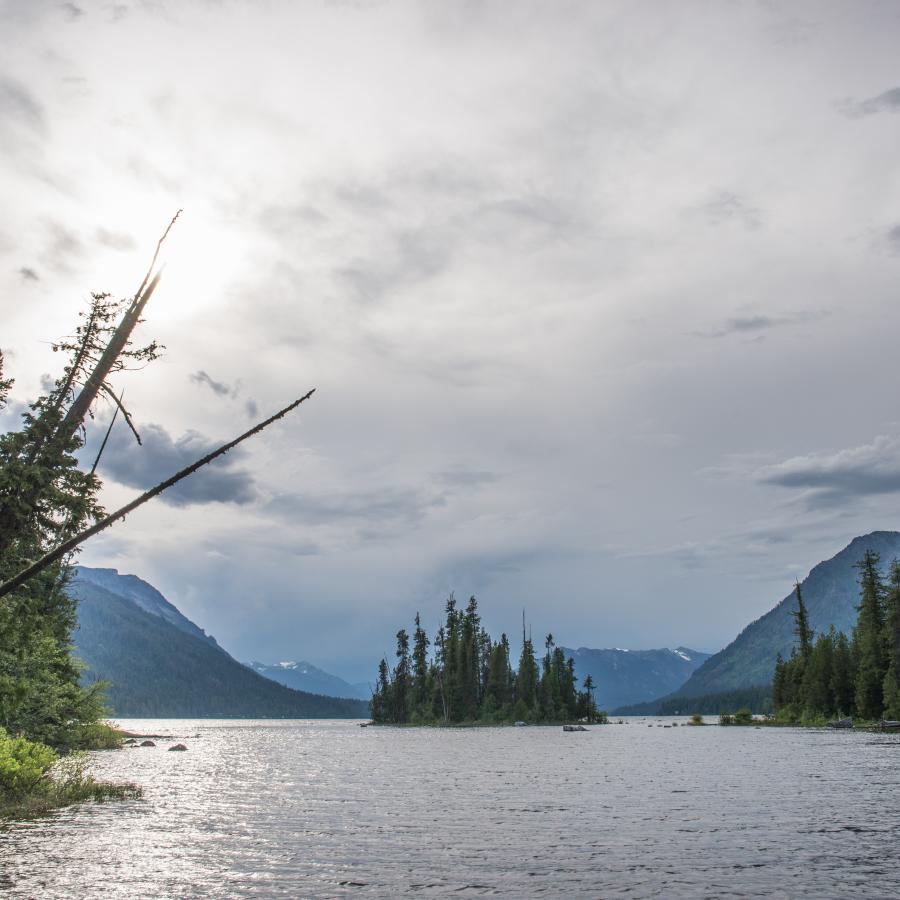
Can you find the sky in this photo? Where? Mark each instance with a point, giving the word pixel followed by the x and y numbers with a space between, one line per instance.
pixel 599 300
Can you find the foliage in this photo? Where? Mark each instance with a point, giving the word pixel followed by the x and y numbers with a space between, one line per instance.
pixel 757 698
pixel 697 719
pixel 839 676
pixel 469 678
pixel 23 764
pixel 35 779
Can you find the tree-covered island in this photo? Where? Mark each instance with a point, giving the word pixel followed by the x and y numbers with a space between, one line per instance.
pixel 468 678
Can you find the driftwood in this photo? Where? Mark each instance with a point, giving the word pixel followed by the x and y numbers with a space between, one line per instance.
pixel 68 546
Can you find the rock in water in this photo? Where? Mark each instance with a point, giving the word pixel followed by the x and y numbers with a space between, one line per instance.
pixel 177 747
pixel 147 744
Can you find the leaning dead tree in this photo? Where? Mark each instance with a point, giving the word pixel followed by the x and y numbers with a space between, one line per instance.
pixel 68 546
pixel 99 348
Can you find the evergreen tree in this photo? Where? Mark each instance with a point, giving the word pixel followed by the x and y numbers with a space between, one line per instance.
pixel 817 677
pixel 382 707
pixel 779 683
pixel 802 630
pixel 891 685
pixel 421 691
pixel 869 640
pixel 527 706
pixel 843 676
pixel 400 685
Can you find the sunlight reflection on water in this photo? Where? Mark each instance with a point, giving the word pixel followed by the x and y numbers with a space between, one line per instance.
pixel 328 809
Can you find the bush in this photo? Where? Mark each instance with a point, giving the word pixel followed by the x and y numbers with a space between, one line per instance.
pixel 726 719
pixel 697 719
pixel 23 764
pixel 34 779
pixel 743 717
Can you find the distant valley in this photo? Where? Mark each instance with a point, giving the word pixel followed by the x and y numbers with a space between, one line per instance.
pixel 304 676
pixel 741 673
pixel 160 664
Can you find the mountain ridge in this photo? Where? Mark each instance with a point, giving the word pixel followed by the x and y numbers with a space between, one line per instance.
pixel 158 667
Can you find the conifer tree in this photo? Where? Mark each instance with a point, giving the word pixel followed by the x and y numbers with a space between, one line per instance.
pixel 421 694
pixel 869 640
pixel 400 684
pixel 891 686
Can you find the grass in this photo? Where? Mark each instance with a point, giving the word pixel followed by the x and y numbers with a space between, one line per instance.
pixel 35 779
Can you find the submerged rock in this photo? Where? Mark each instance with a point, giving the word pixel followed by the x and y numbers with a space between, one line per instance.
pixel 574 728
pixel 177 747
pixel 147 744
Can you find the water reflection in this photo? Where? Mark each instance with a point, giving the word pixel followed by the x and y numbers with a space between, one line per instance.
pixel 328 809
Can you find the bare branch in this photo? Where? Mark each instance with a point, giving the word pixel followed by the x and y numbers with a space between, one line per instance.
pixel 118 401
pixel 159 244
pixel 68 546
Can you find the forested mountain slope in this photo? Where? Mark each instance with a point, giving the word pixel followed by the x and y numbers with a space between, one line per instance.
pixel 160 664
pixel 831 594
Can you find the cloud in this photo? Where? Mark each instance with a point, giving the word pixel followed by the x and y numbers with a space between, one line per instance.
pixel 756 325
pixel 28 274
pixel 72 11
pixel 161 456
pixel 217 387
pixel 17 104
pixel 889 101
pixel 385 506
pixel 892 237
pixel 223 389
pixel 729 208
pixel 463 477
pixel 63 248
pixel 829 479
pixel 115 240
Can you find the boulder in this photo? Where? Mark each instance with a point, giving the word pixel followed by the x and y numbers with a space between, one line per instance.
pixel 147 744
pixel 177 747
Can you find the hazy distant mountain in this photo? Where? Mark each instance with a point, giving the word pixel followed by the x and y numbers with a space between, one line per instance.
pixel 831 595
pixel 304 676
pixel 632 676
pixel 160 664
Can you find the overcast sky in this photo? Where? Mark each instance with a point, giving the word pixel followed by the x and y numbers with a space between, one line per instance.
pixel 600 301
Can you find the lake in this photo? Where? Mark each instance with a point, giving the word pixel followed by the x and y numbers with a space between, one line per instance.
pixel 329 809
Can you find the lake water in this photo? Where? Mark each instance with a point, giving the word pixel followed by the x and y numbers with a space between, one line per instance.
pixel 329 809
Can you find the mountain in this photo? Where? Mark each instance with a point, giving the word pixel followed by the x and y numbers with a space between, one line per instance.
pixel 304 676
pixel 632 676
pixel 831 595
pixel 160 664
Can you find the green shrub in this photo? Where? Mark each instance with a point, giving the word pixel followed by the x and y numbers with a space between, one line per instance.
pixel 726 719
pixel 743 717
pixel 23 764
pixel 697 719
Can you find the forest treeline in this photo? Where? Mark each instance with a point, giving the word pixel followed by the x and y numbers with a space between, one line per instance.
pixel 835 675
pixel 463 675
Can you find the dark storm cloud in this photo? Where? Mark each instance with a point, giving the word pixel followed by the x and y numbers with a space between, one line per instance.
pixel 842 477
pixel 161 456
pixel 887 102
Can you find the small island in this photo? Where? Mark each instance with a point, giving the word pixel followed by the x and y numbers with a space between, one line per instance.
pixel 468 679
